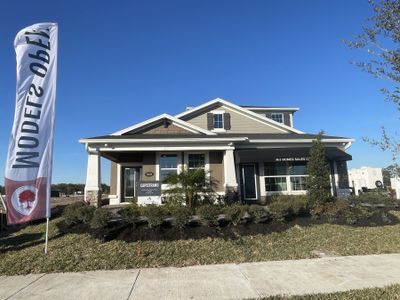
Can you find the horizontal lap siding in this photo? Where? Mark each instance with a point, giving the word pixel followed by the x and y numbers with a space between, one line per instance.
pixel 239 123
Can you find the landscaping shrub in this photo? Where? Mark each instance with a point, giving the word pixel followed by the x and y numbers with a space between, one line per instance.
pixel 100 219
pixel 374 198
pixel 209 213
pixel 155 214
pixel 356 215
pixel 129 213
pixel 259 213
pixel 180 214
pixel 285 207
pixel 331 210
pixel 235 212
pixel 78 213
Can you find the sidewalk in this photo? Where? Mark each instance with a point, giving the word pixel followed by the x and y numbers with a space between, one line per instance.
pixel 230 281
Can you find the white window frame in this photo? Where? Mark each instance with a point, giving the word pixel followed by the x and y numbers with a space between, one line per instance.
pixel 280 114
pixel 179 166
pixel 289 190
pixel 219 112
pixel 206 161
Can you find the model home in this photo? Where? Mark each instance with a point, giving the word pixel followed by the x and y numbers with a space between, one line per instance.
pixel 251 151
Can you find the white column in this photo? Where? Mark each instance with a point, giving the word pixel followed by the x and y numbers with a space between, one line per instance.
pixel 93 179
pixel 230 170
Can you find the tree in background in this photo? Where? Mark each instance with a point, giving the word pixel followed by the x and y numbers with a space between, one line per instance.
pixel 389 172
pixel 380 39
pixel 1 189
pixel 318 180
pixel 72 188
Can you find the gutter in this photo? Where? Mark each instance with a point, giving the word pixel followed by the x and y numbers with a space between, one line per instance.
pixel 137 141
pixel 302 141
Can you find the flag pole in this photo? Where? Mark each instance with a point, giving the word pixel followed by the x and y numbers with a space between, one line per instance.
pixel 1 212
pixel 47 236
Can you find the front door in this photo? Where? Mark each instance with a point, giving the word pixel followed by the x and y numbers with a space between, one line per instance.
pixel 249 179
pixel 131 176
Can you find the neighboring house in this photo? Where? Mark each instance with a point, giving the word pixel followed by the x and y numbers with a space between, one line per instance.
pixel 365 177
pixel 252 150
pixel 395 185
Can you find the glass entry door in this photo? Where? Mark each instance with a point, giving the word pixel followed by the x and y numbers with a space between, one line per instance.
pixel 249 182
pixel 131 177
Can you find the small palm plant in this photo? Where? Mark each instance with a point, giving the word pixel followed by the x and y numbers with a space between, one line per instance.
pixel 190 186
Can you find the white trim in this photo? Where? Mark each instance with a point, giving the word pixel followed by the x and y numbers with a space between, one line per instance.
pixel 272 108
pixel 344 140
pixel 244 111
pixel 173 140
pixel 291 119
pixel 175 121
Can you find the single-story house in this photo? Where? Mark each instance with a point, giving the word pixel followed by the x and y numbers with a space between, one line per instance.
pixel 253 150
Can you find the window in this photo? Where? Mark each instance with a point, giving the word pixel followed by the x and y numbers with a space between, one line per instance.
pixel 196 161
pixel 298 168
pixel 168 165
pixel 273 169
pixel 278 117
pixel 275 184
pixel 285 176
pixel 298 183
pixel 218 121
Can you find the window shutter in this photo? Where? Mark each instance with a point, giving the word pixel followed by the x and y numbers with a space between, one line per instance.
pixel 227 121
pixel 210 125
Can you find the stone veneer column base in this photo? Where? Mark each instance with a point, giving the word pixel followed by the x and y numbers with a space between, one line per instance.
pixel 93 198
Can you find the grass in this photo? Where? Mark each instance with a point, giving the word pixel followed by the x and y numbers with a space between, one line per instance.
pixel 22 252
pixel 390 292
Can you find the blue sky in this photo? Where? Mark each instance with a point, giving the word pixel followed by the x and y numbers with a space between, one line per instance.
pixel 121 62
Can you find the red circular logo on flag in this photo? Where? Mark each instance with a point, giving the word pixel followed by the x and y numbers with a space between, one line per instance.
pixel 24 199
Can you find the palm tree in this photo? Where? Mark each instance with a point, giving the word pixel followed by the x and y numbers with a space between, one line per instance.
pixel 190 186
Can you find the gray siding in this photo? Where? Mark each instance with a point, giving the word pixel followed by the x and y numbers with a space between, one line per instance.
pixel 239 123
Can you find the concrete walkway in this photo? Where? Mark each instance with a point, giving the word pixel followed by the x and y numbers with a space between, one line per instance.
pixel 230 281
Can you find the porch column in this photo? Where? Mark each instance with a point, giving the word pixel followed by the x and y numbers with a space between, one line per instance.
pixel 231 184
pixel 93 179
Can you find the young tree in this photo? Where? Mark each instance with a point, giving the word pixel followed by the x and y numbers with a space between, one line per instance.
pixel 318 180
pixel 189 186
pixel 380 39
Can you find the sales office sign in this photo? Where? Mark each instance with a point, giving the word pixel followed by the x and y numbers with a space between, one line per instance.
pixel 291 159
pixel 149 192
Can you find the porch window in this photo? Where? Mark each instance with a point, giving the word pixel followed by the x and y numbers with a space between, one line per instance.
pixel 168 165
pixel 298 183
pixel 275 184
pixel 285 176
pixel 196 161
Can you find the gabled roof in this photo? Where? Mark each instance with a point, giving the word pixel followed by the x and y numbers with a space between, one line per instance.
pixel 249 113
pixel 180 123
pixel 275 108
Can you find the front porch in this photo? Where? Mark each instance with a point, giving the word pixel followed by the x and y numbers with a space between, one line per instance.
pixel 255 174
pixel 128 168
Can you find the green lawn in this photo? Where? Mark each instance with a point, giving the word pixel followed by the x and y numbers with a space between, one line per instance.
pixel 22 252
pixel 391 292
